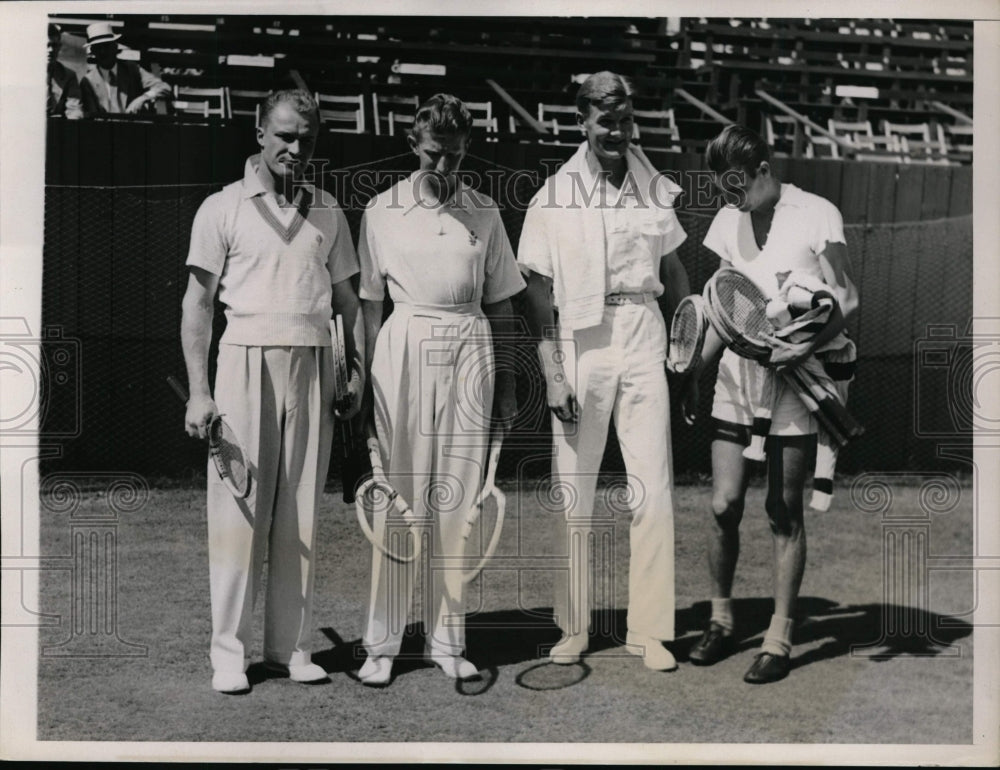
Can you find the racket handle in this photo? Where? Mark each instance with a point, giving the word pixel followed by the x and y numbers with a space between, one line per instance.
pixel 493 462
pixel 802 391
pixel 375 455
pixel 846 422
pixel 178 388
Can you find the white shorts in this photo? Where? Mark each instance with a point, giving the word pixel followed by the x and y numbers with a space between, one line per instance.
pixel 734 403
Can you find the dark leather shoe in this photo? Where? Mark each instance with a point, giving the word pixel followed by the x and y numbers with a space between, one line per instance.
pixel 714 645
pixel 768 668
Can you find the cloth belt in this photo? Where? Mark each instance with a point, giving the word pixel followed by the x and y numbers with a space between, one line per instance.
pixel 630 297
pixel 439 311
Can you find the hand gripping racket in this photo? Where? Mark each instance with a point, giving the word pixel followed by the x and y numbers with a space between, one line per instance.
pixel 488 494
pixel 379 493
pixel 687 334
pixel 225 449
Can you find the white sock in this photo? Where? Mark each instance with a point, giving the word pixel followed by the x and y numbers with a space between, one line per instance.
pixel 722 613
pixel 778 639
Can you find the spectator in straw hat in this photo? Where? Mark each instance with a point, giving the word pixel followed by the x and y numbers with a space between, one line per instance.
pixel 114 87
pixel 63 88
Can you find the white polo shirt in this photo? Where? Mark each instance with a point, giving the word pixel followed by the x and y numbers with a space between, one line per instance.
pixel 446 254
pixel 276 266
pixel 802 226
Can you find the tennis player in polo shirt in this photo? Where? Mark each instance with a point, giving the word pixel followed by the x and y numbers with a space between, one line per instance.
pixel 279 254
pixel 768 230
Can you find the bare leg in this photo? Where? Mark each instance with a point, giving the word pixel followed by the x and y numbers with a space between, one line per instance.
pixel 786 474
pixel 729 485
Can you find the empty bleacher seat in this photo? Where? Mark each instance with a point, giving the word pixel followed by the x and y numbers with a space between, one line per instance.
pixel 785 137
pixel 389 111
pixel 853 132
pixel 483 118
pixel 957 141
pixel 345 114
pixel 656 130
pixel 246 103
pixel 916 141
pixel 560 119
pixel 206 102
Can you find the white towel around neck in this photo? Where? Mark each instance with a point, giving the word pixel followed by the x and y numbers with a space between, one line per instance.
pixel 576 234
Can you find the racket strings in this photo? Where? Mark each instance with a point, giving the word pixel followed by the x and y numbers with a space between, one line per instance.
pixel 228 454
pixel 746 309
pixel 685 331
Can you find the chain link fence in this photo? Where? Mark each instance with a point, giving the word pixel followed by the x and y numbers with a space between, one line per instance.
pixel 114 276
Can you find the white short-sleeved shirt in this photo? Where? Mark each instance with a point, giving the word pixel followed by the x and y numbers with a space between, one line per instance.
pixel 276 266
pixel 448 254
pixel 802 226
pixel 634 245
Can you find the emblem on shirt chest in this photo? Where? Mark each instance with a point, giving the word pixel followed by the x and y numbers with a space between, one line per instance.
pixel 473 238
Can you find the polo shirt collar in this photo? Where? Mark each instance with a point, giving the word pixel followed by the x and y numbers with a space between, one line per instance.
pixel 452 202
pixel 253 186
pixel 790 196
pixel 251 182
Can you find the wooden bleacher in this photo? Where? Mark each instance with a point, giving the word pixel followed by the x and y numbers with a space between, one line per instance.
pixel 913 63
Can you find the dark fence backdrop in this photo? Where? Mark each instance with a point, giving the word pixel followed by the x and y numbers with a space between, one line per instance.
pixel 120 198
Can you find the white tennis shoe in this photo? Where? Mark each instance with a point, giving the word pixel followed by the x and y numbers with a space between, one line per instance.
pixel 230 682
pixel 654 655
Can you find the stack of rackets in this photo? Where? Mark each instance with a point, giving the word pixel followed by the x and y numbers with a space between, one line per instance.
pixel 737 309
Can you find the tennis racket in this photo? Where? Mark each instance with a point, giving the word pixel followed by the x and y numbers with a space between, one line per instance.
pixel 225 449
pixel 351 459
pixel 739 308
pixel 687 334
pixel 489 497
pixel 376 492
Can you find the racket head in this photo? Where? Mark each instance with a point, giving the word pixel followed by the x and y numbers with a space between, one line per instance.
pixel 340 375
pixel 378 495
pixel 229 456
pixel 491 503
pixel 491 506
pixel 741 308
pixel 687 334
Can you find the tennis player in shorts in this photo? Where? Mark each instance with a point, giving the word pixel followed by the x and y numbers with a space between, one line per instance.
pixel 279 253
pixel 766 230
pixel 440 250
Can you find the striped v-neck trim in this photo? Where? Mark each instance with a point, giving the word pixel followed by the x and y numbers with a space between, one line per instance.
pixel 287 234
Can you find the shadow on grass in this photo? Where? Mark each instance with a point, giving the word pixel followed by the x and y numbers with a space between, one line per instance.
pixel 510 637
pixel 875 631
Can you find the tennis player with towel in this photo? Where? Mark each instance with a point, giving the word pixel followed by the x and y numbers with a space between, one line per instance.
pixel 600 238
pixel 279 253
pixel 768 231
